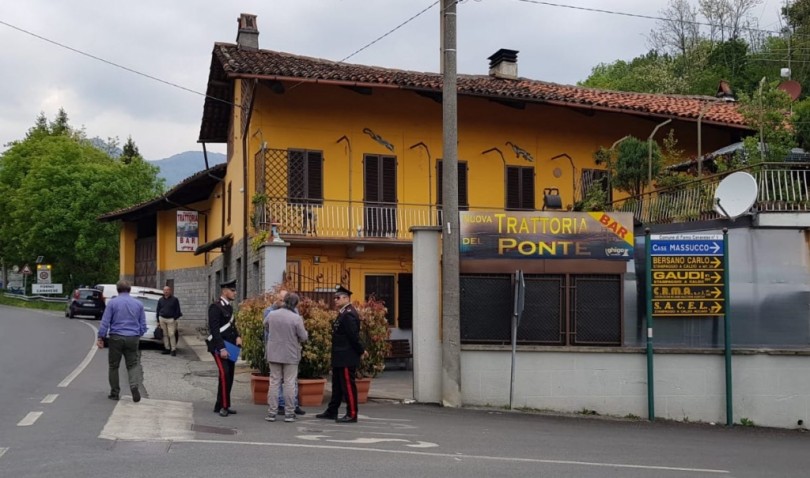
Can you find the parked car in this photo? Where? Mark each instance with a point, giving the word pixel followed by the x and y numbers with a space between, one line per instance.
pixel 149 298
pixel 85 301
pixel 109 290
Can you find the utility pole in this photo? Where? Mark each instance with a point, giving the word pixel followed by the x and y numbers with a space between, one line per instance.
pixel 451 335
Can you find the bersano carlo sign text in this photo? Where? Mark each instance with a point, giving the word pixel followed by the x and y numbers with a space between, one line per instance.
pixel 546 235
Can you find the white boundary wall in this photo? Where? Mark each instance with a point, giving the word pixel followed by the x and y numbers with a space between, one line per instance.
pixel 768 389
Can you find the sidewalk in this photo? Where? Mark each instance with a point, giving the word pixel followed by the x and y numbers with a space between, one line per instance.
pixel 392 384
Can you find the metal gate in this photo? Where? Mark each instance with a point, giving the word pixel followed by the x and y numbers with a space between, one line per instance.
pixel 560 309
pixel 316 282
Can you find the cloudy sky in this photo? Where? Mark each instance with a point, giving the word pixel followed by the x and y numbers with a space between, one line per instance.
pixel 172 41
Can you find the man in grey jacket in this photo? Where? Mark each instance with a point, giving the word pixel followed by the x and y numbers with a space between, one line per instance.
pixel 285 329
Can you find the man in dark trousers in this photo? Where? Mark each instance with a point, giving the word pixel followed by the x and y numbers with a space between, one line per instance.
pixel 346 353
pixel 167 312
pixel 222 327
pixel 125 321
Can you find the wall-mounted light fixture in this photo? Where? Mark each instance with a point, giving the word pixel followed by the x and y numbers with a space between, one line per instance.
pixel 490 150
pixel 573 174
pixel 379 139
pixel 520 152
pixel 551 199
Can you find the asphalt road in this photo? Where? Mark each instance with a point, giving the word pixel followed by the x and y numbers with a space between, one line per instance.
pixel 81 433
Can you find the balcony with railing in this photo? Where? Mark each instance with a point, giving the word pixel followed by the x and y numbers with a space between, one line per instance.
pixel 344 220
pixel 782 187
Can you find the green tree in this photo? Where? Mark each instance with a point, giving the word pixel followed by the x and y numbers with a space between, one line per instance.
pixel 54 186
pixel 130 152
pixel 767 112
pixel 631 168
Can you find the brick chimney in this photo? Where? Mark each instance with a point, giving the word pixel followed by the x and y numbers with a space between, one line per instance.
pixel 503 64
pixel 248 35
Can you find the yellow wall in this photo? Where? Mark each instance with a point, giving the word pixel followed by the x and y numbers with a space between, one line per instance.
pixel 167 255
pixel 126 245
pixel 314 117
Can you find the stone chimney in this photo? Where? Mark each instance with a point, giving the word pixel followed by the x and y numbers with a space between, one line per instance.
pixel 503 64
pixel 248 36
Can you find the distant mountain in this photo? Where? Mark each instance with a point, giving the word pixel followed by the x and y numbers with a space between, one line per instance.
pixel 180 166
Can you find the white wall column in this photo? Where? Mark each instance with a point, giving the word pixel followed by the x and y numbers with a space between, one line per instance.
pixel 275 263
pixel 427 343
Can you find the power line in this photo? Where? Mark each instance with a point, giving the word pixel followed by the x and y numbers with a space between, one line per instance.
pixel 111 63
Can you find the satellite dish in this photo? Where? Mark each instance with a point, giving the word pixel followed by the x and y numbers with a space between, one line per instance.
pixel 735 195
pixel 792 88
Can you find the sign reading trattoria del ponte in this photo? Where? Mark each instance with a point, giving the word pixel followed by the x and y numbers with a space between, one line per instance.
pixel 546 235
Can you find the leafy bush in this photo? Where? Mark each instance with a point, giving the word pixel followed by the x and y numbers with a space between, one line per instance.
pixel 249 322
pixel 374 333
pixel 316 353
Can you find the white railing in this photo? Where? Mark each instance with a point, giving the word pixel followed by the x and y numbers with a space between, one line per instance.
pixel 782 187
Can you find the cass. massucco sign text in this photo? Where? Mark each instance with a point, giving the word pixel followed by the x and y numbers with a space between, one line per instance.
pixel 546 235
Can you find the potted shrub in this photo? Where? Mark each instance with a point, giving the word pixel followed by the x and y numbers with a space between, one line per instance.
pixel 316 353
pixel 249 322
pixel 374 334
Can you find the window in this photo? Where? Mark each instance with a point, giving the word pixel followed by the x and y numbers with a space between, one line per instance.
pixel 381 289
pixel 305 176
pixel 519 187
pixel 463 199
pixel 380 178
pixel 380 190
pixel 560 309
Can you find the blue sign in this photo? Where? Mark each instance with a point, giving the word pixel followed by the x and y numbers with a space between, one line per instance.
pixel 686 245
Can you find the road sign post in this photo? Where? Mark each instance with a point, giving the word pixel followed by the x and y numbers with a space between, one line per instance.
pixel 650 374
pixel 688 278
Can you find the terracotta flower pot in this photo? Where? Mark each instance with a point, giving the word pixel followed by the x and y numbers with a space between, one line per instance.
pixel 310 391
pixel 363 386
pixel 259 385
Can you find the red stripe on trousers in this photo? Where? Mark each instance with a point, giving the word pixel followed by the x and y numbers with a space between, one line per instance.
pixel 222 381
pixel 349 396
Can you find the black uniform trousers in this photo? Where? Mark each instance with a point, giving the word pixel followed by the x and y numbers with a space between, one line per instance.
pixel 344 389
pixel 225 370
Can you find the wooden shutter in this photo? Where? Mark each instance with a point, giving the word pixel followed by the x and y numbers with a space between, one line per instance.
pixel 314 176
pixel 519 187
pixel 381 178
pixel 527 188
pixel 463 198
pixel 371 165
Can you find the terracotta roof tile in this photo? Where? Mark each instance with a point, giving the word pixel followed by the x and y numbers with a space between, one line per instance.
pixel 236 62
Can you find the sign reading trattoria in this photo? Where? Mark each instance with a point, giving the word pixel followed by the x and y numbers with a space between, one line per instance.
pixel 546 235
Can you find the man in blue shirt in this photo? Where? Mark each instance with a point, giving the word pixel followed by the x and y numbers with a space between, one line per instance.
pixel 125 320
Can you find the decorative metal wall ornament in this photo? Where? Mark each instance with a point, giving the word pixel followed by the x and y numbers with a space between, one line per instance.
pixel 520 152
pixel 379 139
pixel 490 150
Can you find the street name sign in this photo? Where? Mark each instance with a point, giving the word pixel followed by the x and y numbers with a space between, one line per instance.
pixel 46 288
pixel 687 275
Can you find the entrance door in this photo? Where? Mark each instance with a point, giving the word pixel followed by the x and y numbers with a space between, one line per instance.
pixel 405 291
pixel 381 288
pixel 146 262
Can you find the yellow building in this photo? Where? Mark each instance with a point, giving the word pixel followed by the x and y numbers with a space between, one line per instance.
pixel 342 160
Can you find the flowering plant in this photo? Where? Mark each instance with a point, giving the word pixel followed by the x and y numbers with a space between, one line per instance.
pixel 374 333
pixel 316 353
pixel 250 323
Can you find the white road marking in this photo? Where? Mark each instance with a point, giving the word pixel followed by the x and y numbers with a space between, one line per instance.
pixel 149 420
pixel 3 451
pixel 369 441
pixel 49 398
pixel 80 368
pixel 461 456
pixel 29 419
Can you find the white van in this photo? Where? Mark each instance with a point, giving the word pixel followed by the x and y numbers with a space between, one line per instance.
pixel 108 291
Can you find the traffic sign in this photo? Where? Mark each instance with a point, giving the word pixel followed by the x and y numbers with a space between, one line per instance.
pixel 43 273
pixel 46 288
pixel 687 275
pixel 26 270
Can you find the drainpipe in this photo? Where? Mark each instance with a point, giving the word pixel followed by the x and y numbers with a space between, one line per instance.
pixel 761 132
pixel 245 190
